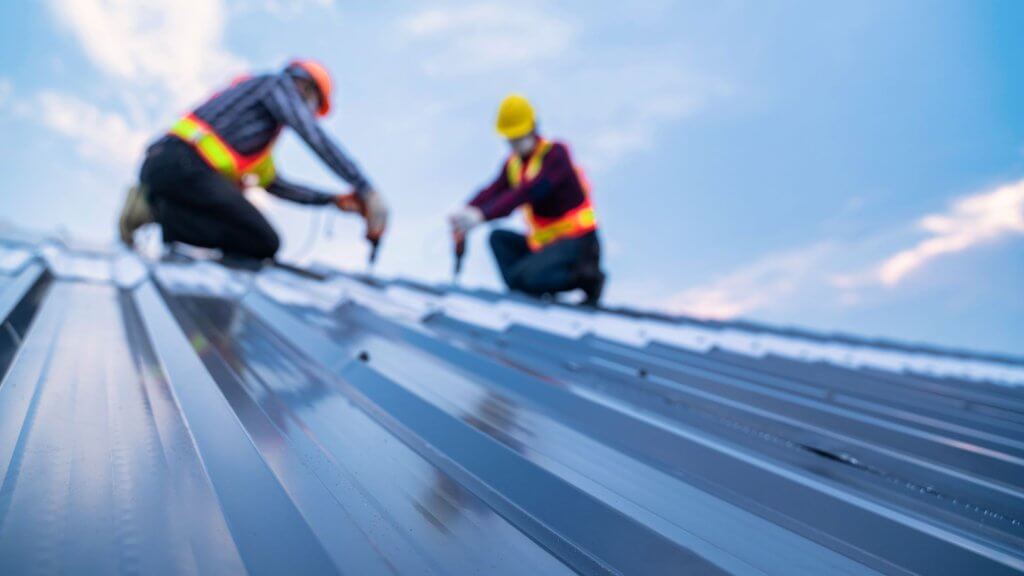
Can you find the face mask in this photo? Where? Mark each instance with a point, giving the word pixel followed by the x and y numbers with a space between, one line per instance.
pixel 523 146
pixel 313 104
pixel 310 96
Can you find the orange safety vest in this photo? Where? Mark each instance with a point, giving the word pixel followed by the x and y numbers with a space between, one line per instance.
pixel 544 231
pixel 222 157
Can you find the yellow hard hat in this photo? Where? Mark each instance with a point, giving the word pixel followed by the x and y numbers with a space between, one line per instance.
pixel 515 117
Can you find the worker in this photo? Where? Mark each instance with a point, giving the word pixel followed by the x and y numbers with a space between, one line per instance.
pixel 560 251
pixel 192 178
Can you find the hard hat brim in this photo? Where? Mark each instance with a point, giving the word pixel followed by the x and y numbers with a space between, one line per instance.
pixel 515 131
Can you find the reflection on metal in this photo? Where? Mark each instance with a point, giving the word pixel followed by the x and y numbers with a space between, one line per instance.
pixel 184 418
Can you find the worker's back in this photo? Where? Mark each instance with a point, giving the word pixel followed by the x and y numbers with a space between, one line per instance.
pixel 240 116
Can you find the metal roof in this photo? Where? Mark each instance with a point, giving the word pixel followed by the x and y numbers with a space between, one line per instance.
pixel 187 418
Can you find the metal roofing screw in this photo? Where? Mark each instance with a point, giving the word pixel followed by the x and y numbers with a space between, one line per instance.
pixel 642 372
pixel 364 356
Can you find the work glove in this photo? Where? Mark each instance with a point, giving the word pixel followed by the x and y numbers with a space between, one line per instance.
pixel 465 220
pixel 250 181
pixel 375 210
pixel 349 203
pixel 370 205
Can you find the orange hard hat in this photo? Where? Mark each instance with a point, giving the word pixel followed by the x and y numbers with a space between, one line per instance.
pixel 320 77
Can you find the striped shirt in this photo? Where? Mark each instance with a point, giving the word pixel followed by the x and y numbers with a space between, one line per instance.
pixel 248 116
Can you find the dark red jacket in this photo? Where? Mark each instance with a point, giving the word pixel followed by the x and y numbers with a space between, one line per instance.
pixel 555 191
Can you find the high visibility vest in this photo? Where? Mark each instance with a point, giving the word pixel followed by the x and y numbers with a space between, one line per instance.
pixel 222 157
pixel 544 231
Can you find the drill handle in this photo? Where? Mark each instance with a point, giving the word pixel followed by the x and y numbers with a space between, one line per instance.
pixel 460 252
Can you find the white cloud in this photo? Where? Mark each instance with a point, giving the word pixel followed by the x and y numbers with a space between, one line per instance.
pixel 175 45
pixel 764 283
pixel 98 135
pixel 486 38
pixel 162 55
pixel 970 222
pixel 11 104
pixel 811 275
pixel 278 8
pixel 611 100
pixel 294 7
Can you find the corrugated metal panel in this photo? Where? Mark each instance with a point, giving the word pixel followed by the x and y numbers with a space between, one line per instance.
pixel 186 418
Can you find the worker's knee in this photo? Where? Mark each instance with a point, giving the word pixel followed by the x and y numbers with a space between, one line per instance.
pixel 273 244
pixel 513 281
pixel 500 239
pixel 266 244
pixel 523 281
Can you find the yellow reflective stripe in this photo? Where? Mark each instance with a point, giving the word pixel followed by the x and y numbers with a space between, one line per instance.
pixel 214 150
pixel 583 220
pixel 514 169
pixel 209 145
pixel 537 161
pixel 185 129
pixel 265 171
pixel 220 156
pixel 579 221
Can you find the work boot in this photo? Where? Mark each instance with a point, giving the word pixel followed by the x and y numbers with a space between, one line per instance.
pixel 135 213
pixel 592 285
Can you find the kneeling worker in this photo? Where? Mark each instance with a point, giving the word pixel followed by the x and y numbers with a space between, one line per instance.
pixel 192 178
pixel 561 251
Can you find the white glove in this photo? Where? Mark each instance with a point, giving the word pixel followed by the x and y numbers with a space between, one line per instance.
pixel 376 214
pixel 464 220
pixel 250 181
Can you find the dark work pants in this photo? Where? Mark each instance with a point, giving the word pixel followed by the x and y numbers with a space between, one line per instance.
pixel 557 268
pixel 196 205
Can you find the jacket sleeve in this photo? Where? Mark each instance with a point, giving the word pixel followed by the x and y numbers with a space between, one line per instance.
pixel 555 171
pixel 286 104
pixel 494 189
pixel 298 193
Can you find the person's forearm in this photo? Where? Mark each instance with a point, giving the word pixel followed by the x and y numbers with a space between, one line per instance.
pixel 286 104
pixel 492 191
pixel 503 204
pixel 338 162
pixel 298 193
pixel 484 197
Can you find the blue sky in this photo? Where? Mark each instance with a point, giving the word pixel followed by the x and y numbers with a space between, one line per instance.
pixel 849 166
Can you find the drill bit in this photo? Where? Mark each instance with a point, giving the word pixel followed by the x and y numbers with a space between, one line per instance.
pixel 374 244
pixel 460 251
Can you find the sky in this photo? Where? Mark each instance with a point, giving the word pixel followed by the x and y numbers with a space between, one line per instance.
pixel 843 166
